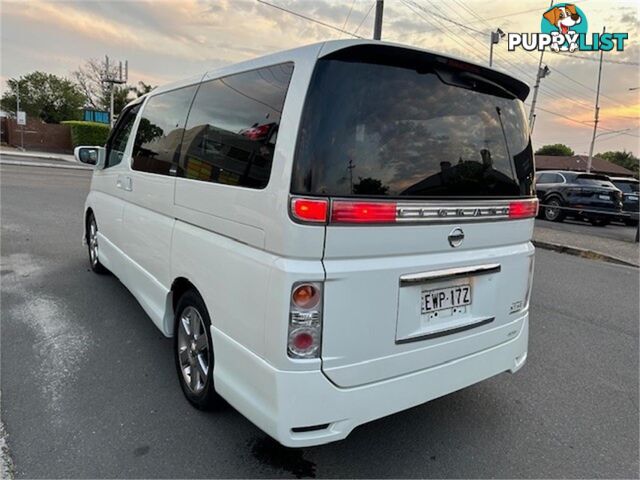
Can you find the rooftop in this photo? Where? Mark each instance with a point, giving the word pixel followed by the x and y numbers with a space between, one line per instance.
pixel 578 163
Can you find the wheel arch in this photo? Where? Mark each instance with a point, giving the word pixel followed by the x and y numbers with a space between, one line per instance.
pixel 179 286
pixel 554 194
pixel 88 211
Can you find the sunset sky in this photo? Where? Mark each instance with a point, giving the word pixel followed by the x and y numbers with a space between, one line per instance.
pixel 165 41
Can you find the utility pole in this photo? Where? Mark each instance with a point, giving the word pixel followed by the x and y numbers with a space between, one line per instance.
pixel 597 112
pixel 541 73
pixel 18 118
pixel 495 39
pixel 377 25
pixel 114 80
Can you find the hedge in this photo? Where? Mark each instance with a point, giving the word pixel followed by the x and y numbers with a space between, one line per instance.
pixel 88 133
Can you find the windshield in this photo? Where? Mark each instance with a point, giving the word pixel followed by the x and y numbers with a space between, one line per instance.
pixel 372 129
pixel 627 187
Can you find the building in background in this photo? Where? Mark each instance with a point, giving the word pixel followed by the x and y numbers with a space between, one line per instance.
pixel 578 163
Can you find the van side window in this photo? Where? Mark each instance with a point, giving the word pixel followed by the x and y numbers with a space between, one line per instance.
pixel 232 128
pixel 120 135
pixel 160 131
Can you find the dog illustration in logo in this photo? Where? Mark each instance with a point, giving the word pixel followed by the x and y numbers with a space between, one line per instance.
pixel 563 18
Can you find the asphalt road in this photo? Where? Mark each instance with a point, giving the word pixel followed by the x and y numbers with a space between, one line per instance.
pixel 613 231
pixel 89 387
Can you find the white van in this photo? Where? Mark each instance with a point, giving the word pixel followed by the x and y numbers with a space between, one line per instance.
pixel 331 234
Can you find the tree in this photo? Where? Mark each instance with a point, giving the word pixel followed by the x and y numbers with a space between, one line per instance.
pixel 557 150
pixel 45 96
pixel 623 158
pixel 142 89
pixel 98 93
pixel 370 186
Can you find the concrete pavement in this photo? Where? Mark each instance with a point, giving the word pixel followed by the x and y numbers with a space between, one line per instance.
pixel 89 388
pixel 6 150
pixel 613 243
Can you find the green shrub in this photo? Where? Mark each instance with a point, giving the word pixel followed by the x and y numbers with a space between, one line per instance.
pixel 88 133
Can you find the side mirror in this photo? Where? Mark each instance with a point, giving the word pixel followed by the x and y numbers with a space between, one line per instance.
pixel 90 155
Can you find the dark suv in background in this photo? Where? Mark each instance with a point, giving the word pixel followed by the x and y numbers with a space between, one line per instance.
pixel 579 195
pixel 631 198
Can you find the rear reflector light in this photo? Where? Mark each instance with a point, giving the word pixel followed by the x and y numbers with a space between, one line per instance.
pixel 523 208
pixel 309 210
pixel 305 320
pixel 363 212
pixel 305 296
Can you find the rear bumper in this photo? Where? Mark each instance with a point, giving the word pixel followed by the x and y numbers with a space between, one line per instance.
pixel 278 401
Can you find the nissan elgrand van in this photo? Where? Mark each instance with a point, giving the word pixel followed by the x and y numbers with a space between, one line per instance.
pixel 330 234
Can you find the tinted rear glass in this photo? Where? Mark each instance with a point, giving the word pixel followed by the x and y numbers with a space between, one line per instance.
pixel 396 129
pixel 594 181
pixel 627 187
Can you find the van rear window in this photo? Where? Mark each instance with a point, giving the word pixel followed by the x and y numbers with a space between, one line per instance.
pixel 381 125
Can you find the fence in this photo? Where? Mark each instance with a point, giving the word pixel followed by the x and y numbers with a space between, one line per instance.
pixel 36 135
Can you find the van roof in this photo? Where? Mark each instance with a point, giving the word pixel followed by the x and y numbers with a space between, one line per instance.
pixel 320 49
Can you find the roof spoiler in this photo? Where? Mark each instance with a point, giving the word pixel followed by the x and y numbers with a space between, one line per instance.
pixel 424 61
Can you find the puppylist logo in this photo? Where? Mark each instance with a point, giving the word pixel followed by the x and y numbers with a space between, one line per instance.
pixel 564 28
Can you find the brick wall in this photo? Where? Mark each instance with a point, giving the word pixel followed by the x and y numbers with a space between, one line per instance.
pixel 46 137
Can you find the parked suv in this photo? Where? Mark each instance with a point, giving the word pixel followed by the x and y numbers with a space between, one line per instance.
pixel 579 195
pixel 331 234
pixel 631 203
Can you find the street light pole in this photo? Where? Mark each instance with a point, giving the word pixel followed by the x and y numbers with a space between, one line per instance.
pixel 542 72
pixel 377 26
pixel 597 112
pixel 495 38
pixel 532 114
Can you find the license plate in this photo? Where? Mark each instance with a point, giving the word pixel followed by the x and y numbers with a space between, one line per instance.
pixel 633 198
pixel 450 297
pixel 603 197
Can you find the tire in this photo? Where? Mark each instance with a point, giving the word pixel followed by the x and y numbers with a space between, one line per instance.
pixel 552 211
pixel 193 351
pixel 631 223
pixel 92 246
pixel 599 222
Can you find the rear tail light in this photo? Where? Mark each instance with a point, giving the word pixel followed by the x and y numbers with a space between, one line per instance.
pixel 323 211
pixel 305 320
pixel 523 208
pixel 363 212
pixel 310 210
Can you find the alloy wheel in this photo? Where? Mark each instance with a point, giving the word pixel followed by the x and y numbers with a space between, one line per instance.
pixel 552 210
pixel 93 242
pixel 193 350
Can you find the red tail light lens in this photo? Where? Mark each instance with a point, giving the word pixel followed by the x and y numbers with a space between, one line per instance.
pixel 363 212
pixel 523 209
pixel 309 210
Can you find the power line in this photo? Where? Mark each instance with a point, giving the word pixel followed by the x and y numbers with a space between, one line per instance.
pixel 411 5
pixel 513 14
pixel 476 15
pixel 617 62
pixel 461 25
pixel 309 18
pixel 364 18
pixel 353 2
pixel 558 93
pixel 581 122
